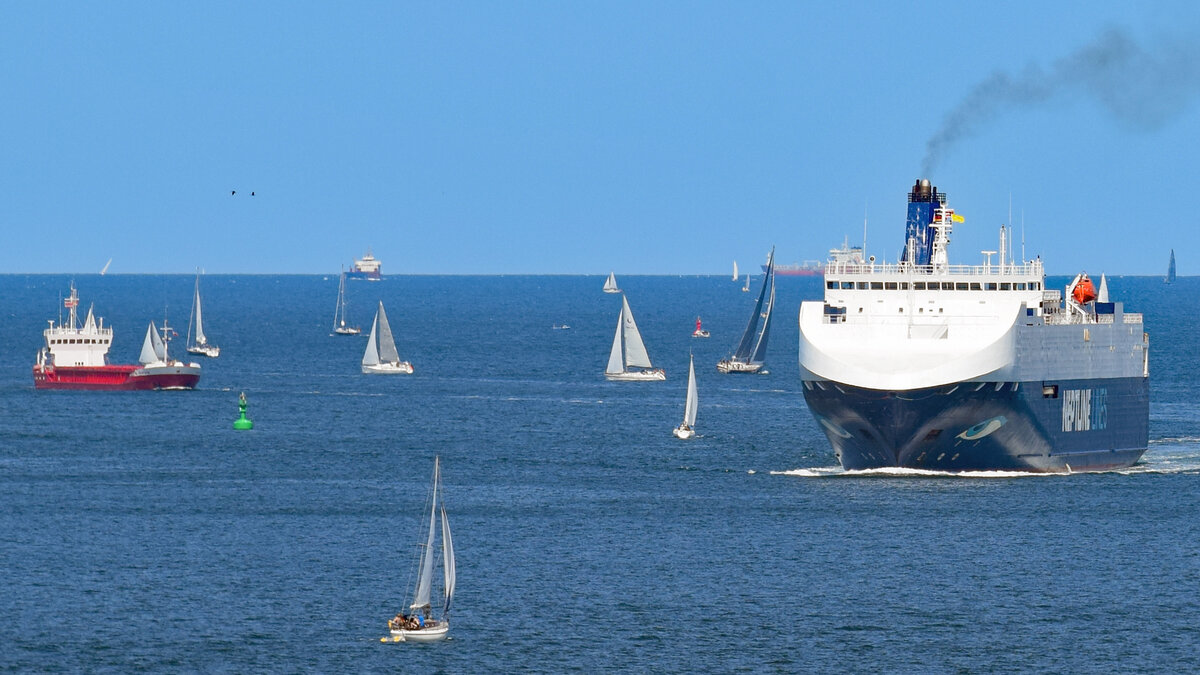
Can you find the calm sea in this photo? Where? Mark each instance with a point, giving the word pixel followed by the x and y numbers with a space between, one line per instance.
pixel 138 531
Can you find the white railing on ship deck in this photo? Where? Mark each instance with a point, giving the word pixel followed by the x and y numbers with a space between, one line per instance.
pixel 1022 270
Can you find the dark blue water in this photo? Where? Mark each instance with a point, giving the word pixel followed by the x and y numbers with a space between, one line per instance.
pixel 139 531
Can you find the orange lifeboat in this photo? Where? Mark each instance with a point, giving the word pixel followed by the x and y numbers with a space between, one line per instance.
pixel 1085 290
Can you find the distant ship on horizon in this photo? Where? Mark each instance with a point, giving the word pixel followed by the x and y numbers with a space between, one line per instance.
pixel 368 267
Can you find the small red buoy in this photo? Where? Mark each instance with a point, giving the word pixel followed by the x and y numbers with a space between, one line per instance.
pixel 1085 291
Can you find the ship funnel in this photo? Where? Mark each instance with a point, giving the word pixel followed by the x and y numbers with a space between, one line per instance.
pixel 922 201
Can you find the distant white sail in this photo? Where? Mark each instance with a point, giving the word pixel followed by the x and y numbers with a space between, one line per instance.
pixel 635 349
pixel 447 558
pixel 104 270
pixel 387 344
pixel 425 575
pixel 735 272
pixel 153 350
pixel 610 284
pixel 693 400
pixel 616 357
pixel 1102 294
pixel 371 355
pixel 200 339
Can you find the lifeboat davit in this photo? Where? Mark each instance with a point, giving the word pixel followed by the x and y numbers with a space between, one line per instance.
pixel 1085 290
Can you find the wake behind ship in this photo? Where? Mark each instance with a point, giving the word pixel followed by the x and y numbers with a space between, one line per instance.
pixel 76 357
pixel 927 365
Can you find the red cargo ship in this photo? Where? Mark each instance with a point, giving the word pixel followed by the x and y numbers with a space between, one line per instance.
pixel 76 357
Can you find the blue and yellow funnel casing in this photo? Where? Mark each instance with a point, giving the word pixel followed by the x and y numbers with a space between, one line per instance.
pixel 922 201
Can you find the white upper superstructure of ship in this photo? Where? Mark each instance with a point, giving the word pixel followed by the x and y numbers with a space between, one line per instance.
pixel 368 264
pixel 70 344
pixel 903 326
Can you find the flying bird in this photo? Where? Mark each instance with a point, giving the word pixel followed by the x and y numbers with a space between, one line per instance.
pixel 233 192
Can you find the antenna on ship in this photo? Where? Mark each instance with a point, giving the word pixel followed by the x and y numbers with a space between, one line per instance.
pixel 864 229
pixel 1023 236
pixel 1010 252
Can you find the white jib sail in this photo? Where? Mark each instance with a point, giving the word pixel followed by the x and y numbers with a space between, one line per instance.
pixel 371 356
pixel 200 339
pixel 425 576
pixel 635 349
pixel 447 558
pixel 151 352
pixel 387 344
pixel 616 360
pixel 693 401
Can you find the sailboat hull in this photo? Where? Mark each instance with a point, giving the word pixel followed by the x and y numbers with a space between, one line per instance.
pixel 401 368
pixel 733 366
pixel 681 432
pixel 205 350
pixel 431 634
pixel 648 375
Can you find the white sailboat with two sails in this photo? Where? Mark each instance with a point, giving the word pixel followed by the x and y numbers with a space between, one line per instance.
pixel 610 284
pixel 628 360
pixel 421 623
pixel 381 357
pixel 200 345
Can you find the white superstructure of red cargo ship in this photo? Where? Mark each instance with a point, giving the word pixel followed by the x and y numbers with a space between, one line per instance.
pixel 76 357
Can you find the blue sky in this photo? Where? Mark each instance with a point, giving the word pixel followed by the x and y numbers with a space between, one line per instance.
pixel 571 138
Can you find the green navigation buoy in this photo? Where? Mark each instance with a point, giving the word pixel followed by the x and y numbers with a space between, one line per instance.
pixel 241 422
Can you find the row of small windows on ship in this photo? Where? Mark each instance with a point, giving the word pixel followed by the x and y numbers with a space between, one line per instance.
pixel 79 341
pixel 934 286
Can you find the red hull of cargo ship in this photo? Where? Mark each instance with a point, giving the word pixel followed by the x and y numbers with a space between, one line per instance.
pixel 110 378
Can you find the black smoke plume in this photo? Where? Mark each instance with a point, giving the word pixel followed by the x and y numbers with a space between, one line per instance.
pixel 1142 89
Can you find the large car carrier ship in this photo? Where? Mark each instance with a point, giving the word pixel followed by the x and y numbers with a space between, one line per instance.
pixel 927 365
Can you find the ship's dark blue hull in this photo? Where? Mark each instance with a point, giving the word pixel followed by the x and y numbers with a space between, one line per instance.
pixel 1076 425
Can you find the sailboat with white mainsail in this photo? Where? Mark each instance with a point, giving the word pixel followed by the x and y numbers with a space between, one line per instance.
pixel 381 357
pixel 628 360
pixel 339 312
pixel 752 349
pixel 687 429
pixel 746 288
pixel 735 272
pixel 422 624
pixel 610 284
pixel 1171 269
pixel 200 344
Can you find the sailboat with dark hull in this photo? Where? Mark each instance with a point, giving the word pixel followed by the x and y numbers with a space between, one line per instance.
pixel 752 349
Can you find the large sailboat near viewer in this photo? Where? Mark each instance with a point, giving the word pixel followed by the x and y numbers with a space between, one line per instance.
pixel 628 360
pixel 201 344
pixel 381 357
pixel 752 349
pixel 421 623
